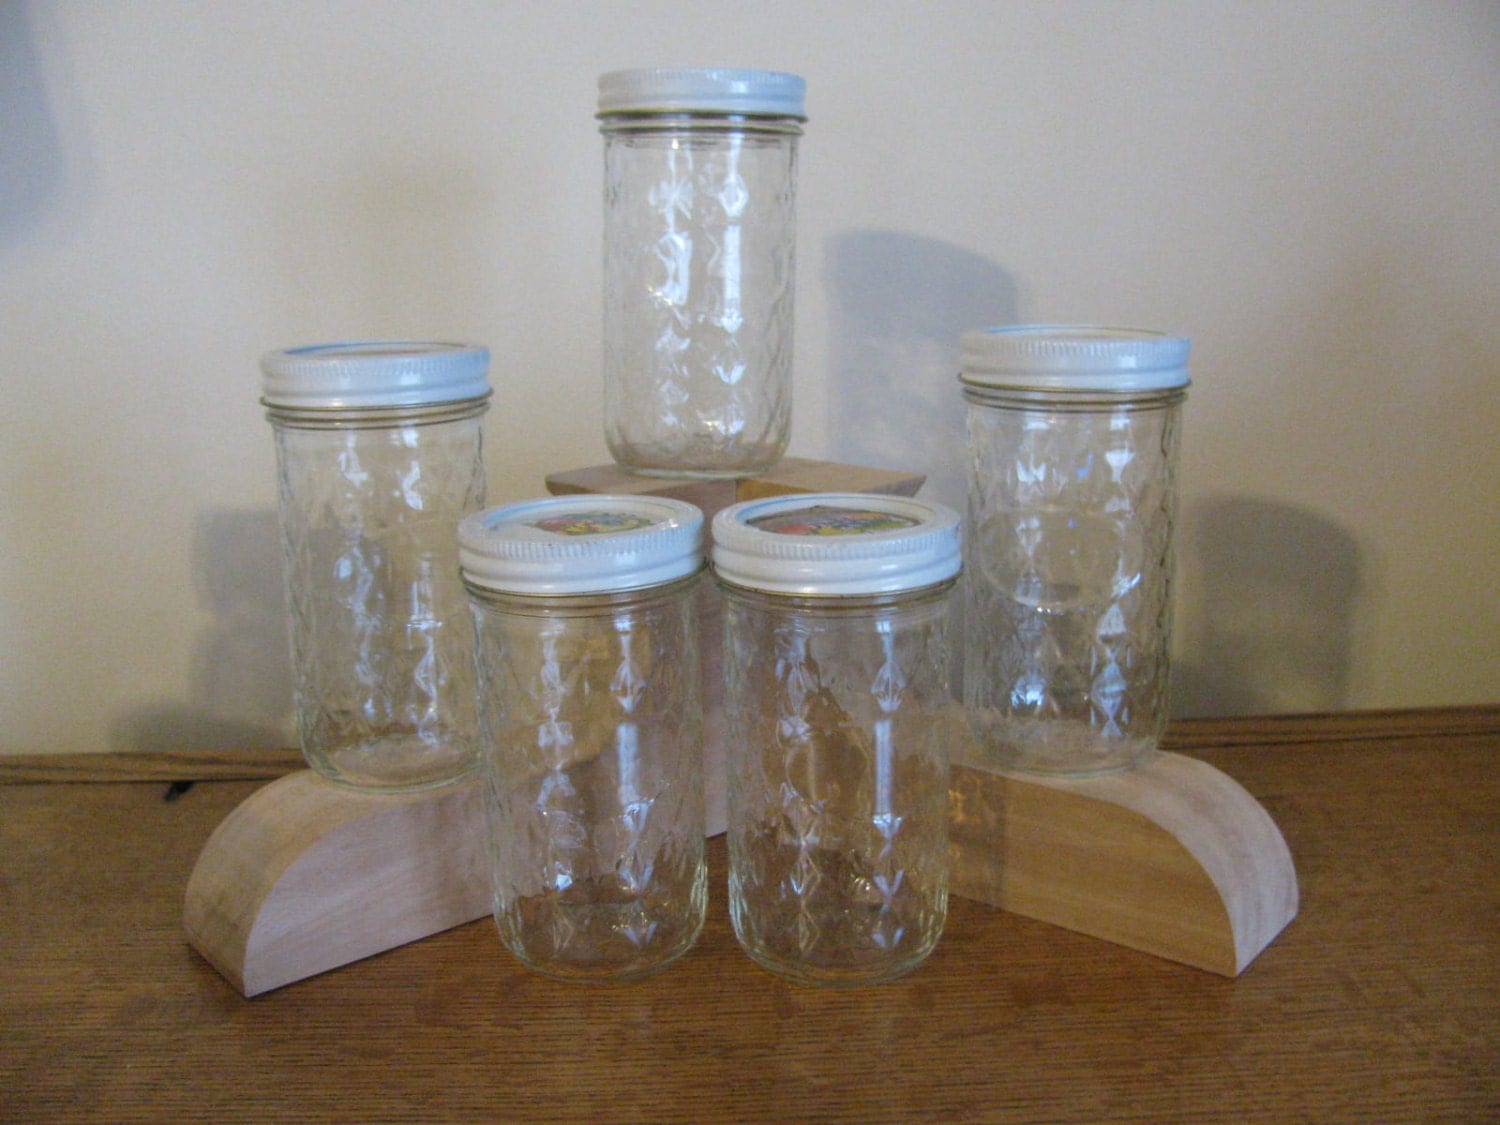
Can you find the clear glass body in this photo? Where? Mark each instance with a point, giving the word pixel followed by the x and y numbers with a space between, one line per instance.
pixel 699 254
pixel 838 781
pixel 1068 587
pixel 382 651
pixel 592 759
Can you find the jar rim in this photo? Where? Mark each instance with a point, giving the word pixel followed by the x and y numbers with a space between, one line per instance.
pixel 836 543
pixel 374 374
pixel 716 90
pixel 588 543
pixel 1074 358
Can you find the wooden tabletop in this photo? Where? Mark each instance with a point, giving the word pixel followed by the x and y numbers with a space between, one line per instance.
pixel 1380 1002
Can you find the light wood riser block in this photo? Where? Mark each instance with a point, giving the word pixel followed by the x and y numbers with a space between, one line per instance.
pixel 307 875
pixel 1173 859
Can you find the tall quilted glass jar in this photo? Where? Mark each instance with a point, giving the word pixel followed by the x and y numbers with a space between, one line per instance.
pixel 379 455
pixel 700 170
pixel 1073 437
pixel 585 615
pixel 836 691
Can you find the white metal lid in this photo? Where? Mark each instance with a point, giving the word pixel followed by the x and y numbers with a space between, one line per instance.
pixel 378 373
pixel 675 89
pixel 1049 357
pixel 836 543
pixel 584 544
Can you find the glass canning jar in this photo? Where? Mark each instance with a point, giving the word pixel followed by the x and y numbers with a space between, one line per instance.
pixel 1073 436
pixel 699 254
pixel 379 455
pixel 837 700
pixel 587 648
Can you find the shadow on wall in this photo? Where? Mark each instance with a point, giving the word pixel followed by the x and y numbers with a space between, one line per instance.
pixel 241 676
pixel 900 303
pixel 1277 588
pixel 30 163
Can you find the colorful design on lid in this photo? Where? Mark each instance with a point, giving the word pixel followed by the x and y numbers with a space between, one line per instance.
pixel 824 519
pixel 592 523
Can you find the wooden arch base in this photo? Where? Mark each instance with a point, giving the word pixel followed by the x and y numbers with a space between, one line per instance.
pixel 307 875
pixel 1173 858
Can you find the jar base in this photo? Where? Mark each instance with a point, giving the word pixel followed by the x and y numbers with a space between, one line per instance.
pixel 841 935
pixel 701 461
pixel 658 473
pixel 598 930
pixel 605 937
pixel 398 763
pixel 823 977
pixel 1054 747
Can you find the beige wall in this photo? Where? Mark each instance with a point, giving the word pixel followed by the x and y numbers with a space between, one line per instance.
pixel 1309 190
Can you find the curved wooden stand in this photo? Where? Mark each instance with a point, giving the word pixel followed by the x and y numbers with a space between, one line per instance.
pixel 1173 858
pixel 306 875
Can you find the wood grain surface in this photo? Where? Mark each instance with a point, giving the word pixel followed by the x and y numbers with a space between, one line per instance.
pixel 1173 858
pixel 168 766
pixel 306 875
pixel 1381 1002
